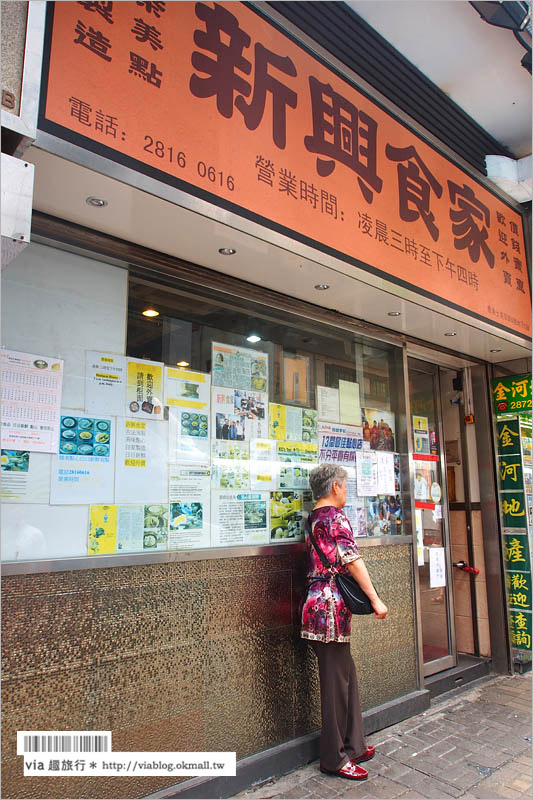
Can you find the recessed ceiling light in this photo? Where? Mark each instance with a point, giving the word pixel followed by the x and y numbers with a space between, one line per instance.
pixel 450 334
pixel 253 338
pixel 183 364
pixel 227 251
pixel 96 202
pixel 495 350
pixel 394 313
pixel 322 286
pixel 150 312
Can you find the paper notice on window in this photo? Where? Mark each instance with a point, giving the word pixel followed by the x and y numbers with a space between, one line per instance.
pixel 31 401
pixel 239 518
pixel 354 506
pixel 188 397
pixel 288 512
pixel 230 463
pixel 327 403
pixel 420 434
pixel 367 473
pixel 189 524
pixel 105 383
pixel 83 472
pixel 338 444
pixel 291 423
pixel 25 477
pixel 238 415
pixel 263 465
pixel 144 394
pixel 239 368
pixel 130 528
pixel 385 465
pixel 102 529
pixel 142 461
pixel 349 404
pixel 437 567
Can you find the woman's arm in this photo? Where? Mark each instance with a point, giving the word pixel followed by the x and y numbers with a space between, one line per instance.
pixel 359 571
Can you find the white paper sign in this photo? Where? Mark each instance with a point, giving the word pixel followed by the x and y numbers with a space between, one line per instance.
pixel 190 507
pixel 349 404
pixel 327 403
pixel 130 528
pixel 188 395
pixel 105 383
pixel 239 367
pixel 31 401
pixel 338 444
pixel 142 461
pixel 263 465
pixel 144 389
pixel 239 518
pixel 83 471
pixel 25 476
pixel 238 415
pixel 437 567
pixel 385 463
pixel 367 477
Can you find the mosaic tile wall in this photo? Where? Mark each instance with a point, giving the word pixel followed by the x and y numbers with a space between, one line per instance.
pixel 184 656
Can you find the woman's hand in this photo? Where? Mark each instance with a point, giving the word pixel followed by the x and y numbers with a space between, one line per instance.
pixel 380 609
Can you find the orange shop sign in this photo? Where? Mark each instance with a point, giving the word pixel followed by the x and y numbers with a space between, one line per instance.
pixel 214 99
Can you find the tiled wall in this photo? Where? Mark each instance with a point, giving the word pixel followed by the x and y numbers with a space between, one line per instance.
pixel 463 603
pixel 183 656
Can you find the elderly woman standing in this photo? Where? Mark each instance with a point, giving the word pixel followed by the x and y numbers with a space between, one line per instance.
pixel 326 623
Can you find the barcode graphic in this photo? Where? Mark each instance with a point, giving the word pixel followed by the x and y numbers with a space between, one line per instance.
pixel 61 743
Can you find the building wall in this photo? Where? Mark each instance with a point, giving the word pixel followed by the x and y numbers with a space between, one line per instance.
pixel 13 41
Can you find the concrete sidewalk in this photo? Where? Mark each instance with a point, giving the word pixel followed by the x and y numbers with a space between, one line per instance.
pixel 473 742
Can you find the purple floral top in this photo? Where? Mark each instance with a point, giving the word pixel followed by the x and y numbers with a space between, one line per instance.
pixel 325 617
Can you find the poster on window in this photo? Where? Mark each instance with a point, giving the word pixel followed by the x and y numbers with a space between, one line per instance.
pixel 288 513
pixel 102 529
pixel 349 404
pixel 295 461
pixel 338 444
pixel 144 392
pixel 293 424
pixel 378 429
pixel 142 461
pixel 230 462
pixel 130 528
pixel 187 395
pixel 239 368
pixel 367 473
pixel 25 477
pixel 420 434
pixel 263 465
pixel 190 507
pixel 239 415
pixel 327 403
pixel 239 518
pixel 385 467
pixel 83 472
pixel 105 382
pixel 31 401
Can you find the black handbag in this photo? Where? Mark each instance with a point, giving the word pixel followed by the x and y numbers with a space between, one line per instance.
pixel 355 599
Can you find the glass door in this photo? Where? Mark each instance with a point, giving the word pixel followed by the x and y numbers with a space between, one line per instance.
pixel 431 519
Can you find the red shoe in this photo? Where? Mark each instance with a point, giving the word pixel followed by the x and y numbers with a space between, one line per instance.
pixel 350 771
pixel 369 753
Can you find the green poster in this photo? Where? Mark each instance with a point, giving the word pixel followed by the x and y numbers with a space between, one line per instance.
pixel 520 625
pixel 518 590
pixel 512 393
pixel 516 551
pixel 508 433
pixel 510 470
pixel 513 509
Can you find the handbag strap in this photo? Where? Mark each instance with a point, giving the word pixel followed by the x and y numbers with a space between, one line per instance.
pixel 324 560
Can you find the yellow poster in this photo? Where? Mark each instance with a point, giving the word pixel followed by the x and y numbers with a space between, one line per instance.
pixel 278 421
pixel 144 396
pixel 102 529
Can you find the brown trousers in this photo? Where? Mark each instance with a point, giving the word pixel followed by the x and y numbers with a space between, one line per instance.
pixel 342 735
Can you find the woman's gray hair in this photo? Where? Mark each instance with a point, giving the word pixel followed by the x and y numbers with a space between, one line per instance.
pixel 323 477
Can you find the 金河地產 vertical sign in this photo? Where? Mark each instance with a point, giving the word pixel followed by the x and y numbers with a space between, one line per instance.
pixel 217 101
pixel 511 393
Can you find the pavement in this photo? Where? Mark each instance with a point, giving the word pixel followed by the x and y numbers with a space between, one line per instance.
pixel 473 742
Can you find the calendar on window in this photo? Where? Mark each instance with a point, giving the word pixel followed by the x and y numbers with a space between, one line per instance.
pixel 31 401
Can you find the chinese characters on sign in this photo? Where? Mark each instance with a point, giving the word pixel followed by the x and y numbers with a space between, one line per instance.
pixel 512 393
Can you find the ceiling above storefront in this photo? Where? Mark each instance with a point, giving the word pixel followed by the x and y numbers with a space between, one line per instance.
pixel 261 256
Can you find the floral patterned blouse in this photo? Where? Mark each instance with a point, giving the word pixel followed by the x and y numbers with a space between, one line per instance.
pixel 324 615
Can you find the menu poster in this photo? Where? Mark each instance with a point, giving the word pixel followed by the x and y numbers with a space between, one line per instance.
pixel 102 529
pixel 327 403
pixel 130 528
pixel 378 429
pixel 239 415
pixel 385 465
pixel 142 461
pixel 338 444
pixel 288 512
pixel 421 434
pixel 155 527
pixel 105 383
pixel 190 511
pixel 25 477
pixel 31 401
pixel 83 470
pixel 263 465
pixel 188 395
pixel 239 368
pixel 349 404
pixel 367 477
pixel 144 394
pixel 239 518
pixel 291 423
pixel 230 463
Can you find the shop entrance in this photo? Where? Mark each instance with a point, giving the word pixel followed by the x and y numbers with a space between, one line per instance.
pixel 431 519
